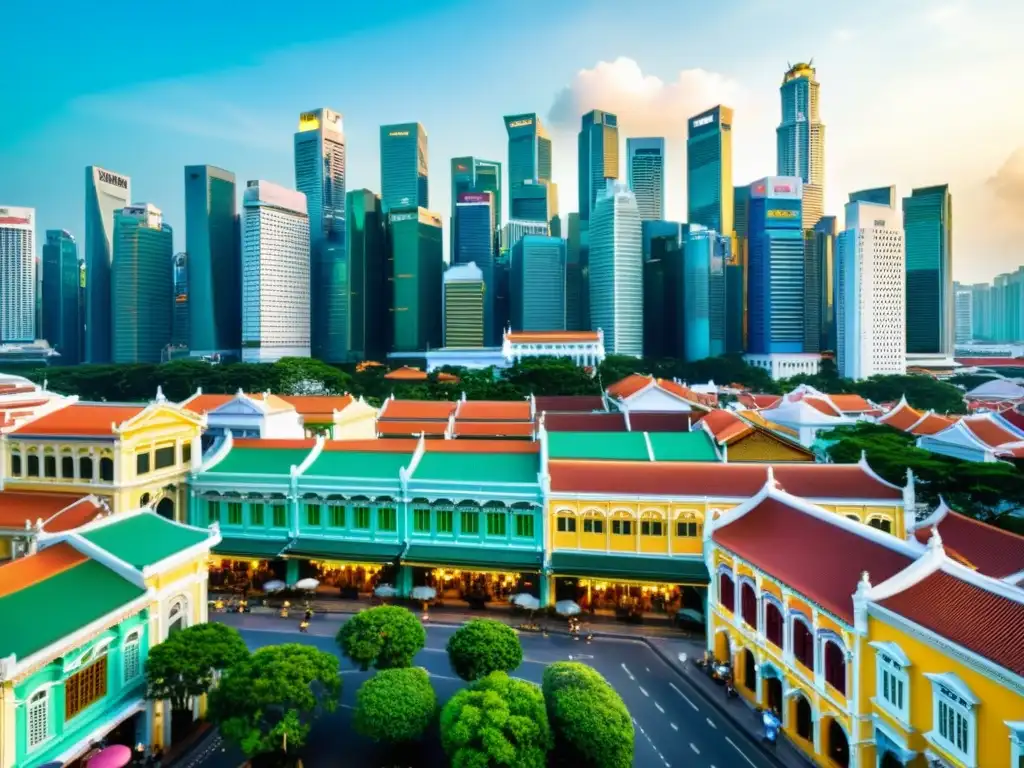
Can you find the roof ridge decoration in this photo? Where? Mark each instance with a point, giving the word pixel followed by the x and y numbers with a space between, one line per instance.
pixel 650 447
pixel 863 464
pixel 405 473
pixel 960 428
pixel 933 519
pixel 313 455
pixel 217 457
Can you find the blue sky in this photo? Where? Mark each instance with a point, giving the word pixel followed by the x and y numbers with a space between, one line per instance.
pixel 921 94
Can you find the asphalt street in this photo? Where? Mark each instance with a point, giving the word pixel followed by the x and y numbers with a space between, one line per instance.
pixel 675 726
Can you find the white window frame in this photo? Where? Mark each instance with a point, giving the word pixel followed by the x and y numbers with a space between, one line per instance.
pixel 132 644
pixel 39 699
pixel 890 658
pixel 1016 742
pixel 948 689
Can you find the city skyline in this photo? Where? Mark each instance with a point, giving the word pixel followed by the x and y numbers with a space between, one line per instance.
pixel 220 114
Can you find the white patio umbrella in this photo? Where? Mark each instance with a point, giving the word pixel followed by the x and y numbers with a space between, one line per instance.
pixel 307 585
pixel 423 593
pixel 274 586
pixel 385 590
pixel 567 608
pixel 526 601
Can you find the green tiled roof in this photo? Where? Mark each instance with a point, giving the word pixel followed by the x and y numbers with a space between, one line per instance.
pixel 375 464
pixel 474 556
pixel 481 468
pixel 610 446
pixel 47 611
pixel 345 550
pixel 144 539
pixel 259 461
pixel 244 546
pixel 671 570
pixel 683 446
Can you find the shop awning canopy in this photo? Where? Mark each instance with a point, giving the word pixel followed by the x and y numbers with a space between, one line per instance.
pixel 473 557
pixel 635 568
pixel 372 552
pixel 243 546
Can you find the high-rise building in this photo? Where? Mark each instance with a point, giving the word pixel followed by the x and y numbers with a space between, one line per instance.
pixel 577 311
pixel 928 227
pixel 775 267
pixel 709 187
pixel 180 320
pixel 736 273
pixel 705 253
pixel 275 273
pixel 368 312
pixel 416 263
pixel 105 193
pixel 820 317
pixel 403 166
pixel 870 332
pixel 598 158
pixel 533 196
pixel 616 271
pixel 663 295
pixel 801 138
pixel 37 304
pixel 81 307
pixel 474 175
pixel 876 195
pixel 141 292
pixel 645 173
pixel 473 228
pixel 17 274
pixel 537 284
pixel 320 176
pixel 464 294
pixel 214 263
pixel 502 289
pixel 982 311
pixel 963 299
pixel 516 229
pixel 62 312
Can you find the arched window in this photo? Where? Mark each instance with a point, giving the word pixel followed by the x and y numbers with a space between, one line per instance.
pixel 835 666
pixel 49 466
pixel 748 603
pixel 881 524
pixel 177 616
pixel 38 721
pixel 132 655
pixel 803 643
pixel 773 623
pixel 85 468
pixel 106 469
pixel 67 467
pixel 726 591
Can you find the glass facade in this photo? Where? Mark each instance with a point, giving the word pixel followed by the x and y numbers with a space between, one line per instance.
pixel 403 166
pixel 537 284
pixel 645 173
pixel 705 253
pixel 473 175
pixel 368 318
pixel 141 287
pixel 801 138
pixel 736 273
pixel 663 294
pixel 821 319
pixel 878 195
pixel 179 323
pixel 598 157
pixel 709 191
pixel 212 241
pixel 928 228
pixel 61 296
pixel 473 229
pixel 416 262
pixel 616 271
pixel 105 193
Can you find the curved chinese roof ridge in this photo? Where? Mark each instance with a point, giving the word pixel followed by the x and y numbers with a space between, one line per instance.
pixel 930 423
pixel 635 383
pixel 57 511
pixel 989 550
pixel 902 416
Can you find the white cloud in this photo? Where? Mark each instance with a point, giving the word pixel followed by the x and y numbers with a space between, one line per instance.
pixel 845 35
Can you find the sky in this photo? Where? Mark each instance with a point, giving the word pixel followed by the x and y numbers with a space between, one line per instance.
pixel 913 93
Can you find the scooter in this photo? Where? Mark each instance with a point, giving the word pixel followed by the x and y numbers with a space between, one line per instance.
pixel 771 727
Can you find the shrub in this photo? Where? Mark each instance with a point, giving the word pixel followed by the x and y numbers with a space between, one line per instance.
pixel 483 646
pixel 384 637
pixel 395 705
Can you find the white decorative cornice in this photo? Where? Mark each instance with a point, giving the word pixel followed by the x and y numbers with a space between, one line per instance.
pixel 314 454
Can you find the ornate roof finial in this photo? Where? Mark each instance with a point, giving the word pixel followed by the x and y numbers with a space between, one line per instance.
pixel 864 584
pixel 935 540
pixel 160 394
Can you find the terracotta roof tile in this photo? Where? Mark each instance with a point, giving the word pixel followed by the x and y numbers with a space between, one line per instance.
pixel 850 403
pixel 75 516
pixel 930 424
pixel 726 425
pixel 16 507
pixel 660 421
pixel 585 422
pixel 988 431
pixel 81 420
pixel 992 551
pixel 481 446
pixel 26 571
pixel 821 561
pixel 406 373
pixel 417 410
pixel 493 410
pixel 688 394
pixel 977 619
pixel 820 405
pixel 901 418
pixel 493 428
pixel 404 428
pixel 570 403
pixel 317 407
pixel 549 337
pixel 629 386
pixel 205 403
pixel 758 401
pixel 1013 416
pixel 10 405
pixel 392 445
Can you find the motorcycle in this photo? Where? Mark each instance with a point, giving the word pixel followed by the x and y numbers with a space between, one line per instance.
pixel 771 727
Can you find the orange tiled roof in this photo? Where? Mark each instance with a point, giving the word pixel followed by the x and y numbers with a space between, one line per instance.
pixel 820 405
pixel 757 402
pixel 393 445
pixel 447 378
pixel 406 427
pixel 902 418
pixel 205 403
pixel 406 373
pixel 989 432
pixel 688 394
pixel 550 337
pixel 10 405
pixel 726 426
pixel 16 508
pixel 990 550
pixel 493 428
pixel 629 386
pixel 850 403
pixel 493 410
pixel 482 446
pixel 930 424
pixel 81 420
pixel 317 407
pixel 26 571
pixel 417 410
pixel 635 382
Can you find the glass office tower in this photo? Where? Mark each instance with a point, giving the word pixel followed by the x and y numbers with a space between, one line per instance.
pixel 709 189
pixel 645 173
pixel 821 318
pixel 616 271
pixel 105 193
pixel 19 282
pixel 533 196
pixel 928 229
pixel 61 296
pixel 403 166
pixel 877 195
pixel 416 263
pixel 537 284
pixel 800 138
pixel 473 229
pixel 212 242
pixel 369 317
pixel 471 174
pixel 598 148
pixel 180 321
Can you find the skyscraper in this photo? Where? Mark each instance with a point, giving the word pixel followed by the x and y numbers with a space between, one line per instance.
pixel 214 263
pixel 140 285
pixel 663 295
pixel 515 229
pixel 775 279
pixel 275 273
pixel 369 316
pixel 616 271
pixel 471 174
pixel 705 253
pixel 598 156
pixel 577 311
pixel 820 318
pixel 870 333
pixel 320 176
pixel 180 320
pixel 709 188
pixel 17 274
pixel 403 166
pixel 464 293
pixel 61 296
pixel 537 284
pixel 801 138
pixel 533 196
pixel 877 195
pixel 416 263
pixel 473 228
pixel 928 227
pixel 645 172
pixel 736 273
pixel 105 193
pixel 964 301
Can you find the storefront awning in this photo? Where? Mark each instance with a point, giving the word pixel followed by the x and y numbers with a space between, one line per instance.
pixel 638 568
pixel 344 551
pixel 242 546
pixel 473 557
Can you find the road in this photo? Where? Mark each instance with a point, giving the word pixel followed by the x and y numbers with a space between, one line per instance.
pixel 675 726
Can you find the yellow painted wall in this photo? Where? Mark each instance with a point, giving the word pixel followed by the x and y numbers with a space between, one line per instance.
pixel 357 422
pixel 759 446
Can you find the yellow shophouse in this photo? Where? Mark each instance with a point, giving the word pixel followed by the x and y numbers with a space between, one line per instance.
pixel 126 455
pixel 875 650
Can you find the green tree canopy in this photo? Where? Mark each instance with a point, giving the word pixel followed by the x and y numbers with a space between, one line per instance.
pixel 395 705
pixel 267 702
pixel 591 726
pixel 496 721
pixel 483 646
pixel 384 637
pixel 185 665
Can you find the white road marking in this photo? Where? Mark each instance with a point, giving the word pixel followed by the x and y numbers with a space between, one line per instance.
pixel 687 698
pixel 711 723
pixel 694 747
pixel 659 707
pixel 645 693
pixel 674 726
pixel 647 668
pixel 626 670
pixel 740 751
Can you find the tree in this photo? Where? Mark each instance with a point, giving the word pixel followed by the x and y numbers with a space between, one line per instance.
pixel 589 721
pixel 186 664
pixel 483 646
pixel 384 637
pixel 395 705
pixel 550 376
pixel 497 721
pixel 308 376
pixel 266 703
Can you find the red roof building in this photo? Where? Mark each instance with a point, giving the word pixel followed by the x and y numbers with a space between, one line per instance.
pixel 983 547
